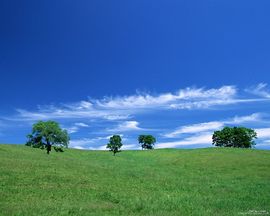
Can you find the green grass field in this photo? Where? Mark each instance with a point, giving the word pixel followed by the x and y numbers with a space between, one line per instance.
pixel 212 181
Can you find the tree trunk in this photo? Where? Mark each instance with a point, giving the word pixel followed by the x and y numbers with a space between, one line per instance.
pixel 49 147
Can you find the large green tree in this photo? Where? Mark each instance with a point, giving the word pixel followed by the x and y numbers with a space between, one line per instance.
pixel 239 137
pixel 147 141
pixel 46 134
pixel 115 143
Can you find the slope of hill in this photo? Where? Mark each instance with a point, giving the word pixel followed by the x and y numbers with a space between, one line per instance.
pixel 213 181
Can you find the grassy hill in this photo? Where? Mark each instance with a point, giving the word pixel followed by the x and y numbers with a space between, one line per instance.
pixel 213 181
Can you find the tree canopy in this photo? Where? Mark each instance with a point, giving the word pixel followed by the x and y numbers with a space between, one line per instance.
pixel 115 143
pixel 239 137
pixel 46 134
pixel 147 141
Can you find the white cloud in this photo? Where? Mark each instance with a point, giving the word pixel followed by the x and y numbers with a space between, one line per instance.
pixel 197 139
pixel 85 105
pixel 76 127
pixel 122 108
pixel 251 118
pixel 204 104
pixel 72 129
pixel 116 117
pixel 263 133
pixel 126 126
pixel 213 125
pixel 195 128
pixel 166 99
pixel 69 112
pixel 81 124
pixel 260 90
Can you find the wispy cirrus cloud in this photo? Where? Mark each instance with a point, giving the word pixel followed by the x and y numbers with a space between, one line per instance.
pixel 260 90
pixel 114 115
pixel 69 112
pixel 120 108
pixel 81 124
pixel 167 99
pixel 195 128
pixel 71 130
pixel 204 104
pixel 125 107
pixel 199 139
pixel 213 125
pixel 76 127
pixel 242 119
pixel 126 126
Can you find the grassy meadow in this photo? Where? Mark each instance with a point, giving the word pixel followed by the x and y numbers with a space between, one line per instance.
pixel 211 181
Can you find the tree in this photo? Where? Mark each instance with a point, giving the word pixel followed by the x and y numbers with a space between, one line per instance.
pixel 48 134
pixel 147 141
pixel 115 144
pixel 239 137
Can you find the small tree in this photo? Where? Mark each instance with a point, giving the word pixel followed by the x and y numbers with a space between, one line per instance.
pixel 115 144
pixel 147 141
pixel 48 134
pixel 239 137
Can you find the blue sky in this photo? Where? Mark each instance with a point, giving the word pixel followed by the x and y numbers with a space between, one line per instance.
pixel 176 69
